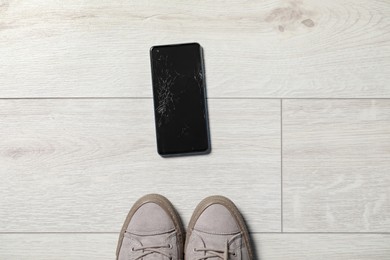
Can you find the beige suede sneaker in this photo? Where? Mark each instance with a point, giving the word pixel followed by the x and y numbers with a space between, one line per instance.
pixel 217 231
pixel 152 230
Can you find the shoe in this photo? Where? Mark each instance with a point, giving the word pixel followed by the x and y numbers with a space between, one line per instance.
pixel 217 231
pixel 152 230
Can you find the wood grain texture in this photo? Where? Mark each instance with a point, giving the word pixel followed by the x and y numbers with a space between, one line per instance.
pixel 58 246
pixel 79 165
pixel 322 246
pixel 336 163
pixel 269 48
pixel 269 246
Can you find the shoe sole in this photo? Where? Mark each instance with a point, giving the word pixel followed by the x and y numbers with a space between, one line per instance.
pixel 207 202
pixel 167 206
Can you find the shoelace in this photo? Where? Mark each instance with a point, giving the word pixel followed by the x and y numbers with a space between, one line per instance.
pixel 147 250
pixel 210 253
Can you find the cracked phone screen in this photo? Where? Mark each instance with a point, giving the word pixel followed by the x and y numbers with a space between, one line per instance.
pixel 179 99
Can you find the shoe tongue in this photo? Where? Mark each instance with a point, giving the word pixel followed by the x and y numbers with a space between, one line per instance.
pixel 158 239
pixel 155 257
pixel 217 241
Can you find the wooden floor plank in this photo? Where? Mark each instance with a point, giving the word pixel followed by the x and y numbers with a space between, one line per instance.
pixel 79 165
pixel 269 48
pixel 268 246
pixel 336 165
pixel 322 246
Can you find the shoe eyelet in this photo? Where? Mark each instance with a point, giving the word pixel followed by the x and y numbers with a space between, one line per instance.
pixel 170 246
pixel 132 249
pixel 194 249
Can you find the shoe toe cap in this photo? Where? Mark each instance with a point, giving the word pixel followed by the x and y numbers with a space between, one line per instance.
pixel 150 218
pixel 217 219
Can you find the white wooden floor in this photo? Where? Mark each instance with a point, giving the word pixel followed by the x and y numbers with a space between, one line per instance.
pixel 299 100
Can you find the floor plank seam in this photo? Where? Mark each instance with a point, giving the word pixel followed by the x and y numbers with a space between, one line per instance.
pixel 281 165
pixel 210 98
pixel 254 233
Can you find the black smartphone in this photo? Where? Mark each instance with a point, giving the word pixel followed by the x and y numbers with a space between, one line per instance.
pixel 179 96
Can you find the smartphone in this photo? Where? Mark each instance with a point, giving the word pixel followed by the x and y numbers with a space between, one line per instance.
pixel 179 97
